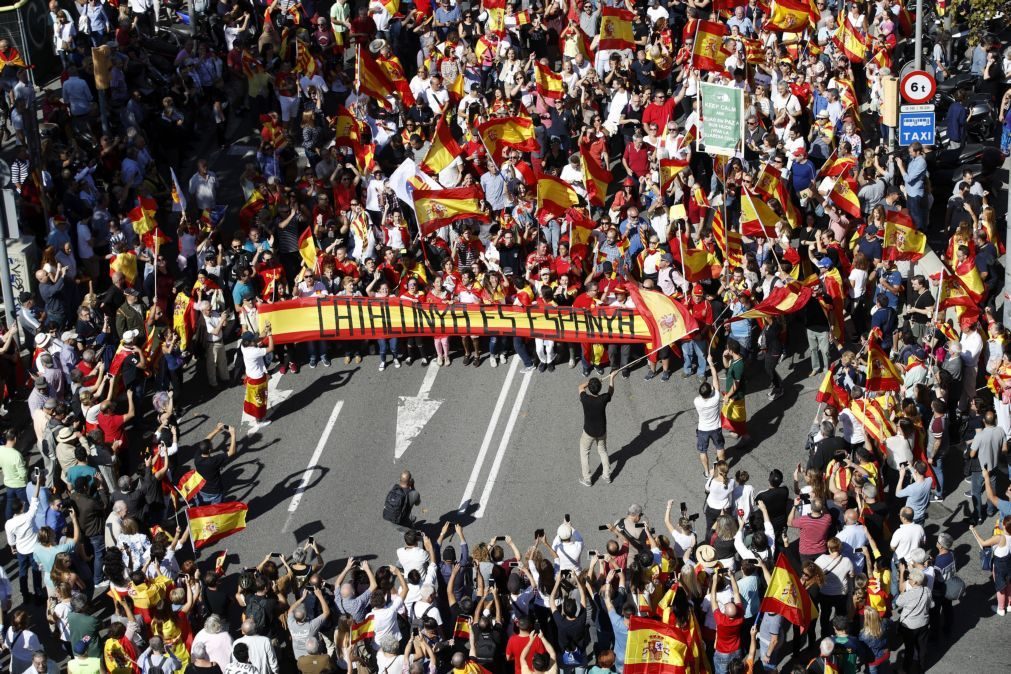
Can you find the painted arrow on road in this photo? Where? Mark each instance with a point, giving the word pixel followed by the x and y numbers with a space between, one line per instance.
pixel 413 412
pixel 275 396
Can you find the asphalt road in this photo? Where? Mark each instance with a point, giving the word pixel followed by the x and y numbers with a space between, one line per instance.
pixel 500 454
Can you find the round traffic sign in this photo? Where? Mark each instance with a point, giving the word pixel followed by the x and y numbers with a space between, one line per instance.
pixel 917 86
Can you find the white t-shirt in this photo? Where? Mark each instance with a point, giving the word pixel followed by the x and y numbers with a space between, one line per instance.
pixel 384 620
pixel 708 410
pixel 252 357
pixel 569 552
pixel 412 558
pixel 720 495
pixel 899 451
pixel 837 571
pixel 907 538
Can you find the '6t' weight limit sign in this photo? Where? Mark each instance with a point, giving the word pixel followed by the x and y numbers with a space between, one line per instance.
pixel 917 86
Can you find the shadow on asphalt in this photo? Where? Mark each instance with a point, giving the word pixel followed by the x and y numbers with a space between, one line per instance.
pixel 648 434
pixel 306 395
pixel 284 490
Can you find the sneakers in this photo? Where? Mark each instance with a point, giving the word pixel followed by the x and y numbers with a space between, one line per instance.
pixel 493 360
pixel 409 360
pixel 477 360
pixel 586 370
pixel 600 370
pixel 358 358
pixel 551 367
pixel 424 361
pixel 586 483
pixel 468 359
pixel 283 369
pixel 347 360
pixel 325 361
pixel 528 368
pixel 1000 611
pixel 775 394
pixel 382 365
pixel 396 363
pixel 572 363
pixel 626 373
pixel 817 372
pixel 606 479
pixel 541 367
pixel 293 367
pixel 312 363
pixel 665 376
pixel 935 498
pixel 650 374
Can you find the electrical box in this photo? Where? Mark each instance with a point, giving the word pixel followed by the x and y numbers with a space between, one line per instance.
pixel 890 104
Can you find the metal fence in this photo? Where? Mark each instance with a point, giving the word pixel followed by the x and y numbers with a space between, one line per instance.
pixel 26 25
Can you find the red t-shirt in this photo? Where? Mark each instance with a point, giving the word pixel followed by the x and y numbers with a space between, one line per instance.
pixel 638 160
pixel 728 630
pixel 813 533
pixel 112 427
pixel 515 647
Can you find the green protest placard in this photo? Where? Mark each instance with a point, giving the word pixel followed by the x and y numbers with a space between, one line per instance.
pixel 722 118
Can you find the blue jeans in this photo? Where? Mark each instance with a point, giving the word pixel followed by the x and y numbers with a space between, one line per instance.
pixel 21 493
pixel 26 563
pixel 552 234
pixel 721 661
pixel 493 346
pixel 981 506
pixel 918 211
pixel 695 357
pixel 520 347
pixel 316 350
pixel 206 498
pixel 98 550
pixel 938 464
pixel 387 345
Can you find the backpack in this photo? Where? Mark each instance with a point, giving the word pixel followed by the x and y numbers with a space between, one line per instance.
pixel 396 506
pixel 256 612
pixel 417 620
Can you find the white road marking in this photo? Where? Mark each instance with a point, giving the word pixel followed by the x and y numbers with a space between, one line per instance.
pixel 503 444
pixel 307 475
pixel 413 412
pixel 488 435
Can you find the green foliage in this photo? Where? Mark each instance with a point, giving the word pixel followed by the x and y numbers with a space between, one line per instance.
pixel 980 12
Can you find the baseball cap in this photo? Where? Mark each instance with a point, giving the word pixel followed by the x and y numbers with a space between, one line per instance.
pixel 248 336
pixel 564 531
pixel 825 263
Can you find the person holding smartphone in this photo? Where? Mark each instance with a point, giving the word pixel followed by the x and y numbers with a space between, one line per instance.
pixel 210 464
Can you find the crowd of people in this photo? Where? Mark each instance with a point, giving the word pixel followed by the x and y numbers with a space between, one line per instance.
pixel 141 276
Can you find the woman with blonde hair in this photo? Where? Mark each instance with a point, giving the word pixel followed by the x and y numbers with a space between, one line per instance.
pixel 719 493
pixel 63 573
pixel 1001 571
pixel 874 635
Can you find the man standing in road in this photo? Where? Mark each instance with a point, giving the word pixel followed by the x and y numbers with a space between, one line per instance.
pixel 210 467
pixel 400 500
pixel 595 426
pixel 710 428
pixel 735 411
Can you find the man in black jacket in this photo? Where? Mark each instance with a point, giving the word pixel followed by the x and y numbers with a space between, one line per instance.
pixel 91 508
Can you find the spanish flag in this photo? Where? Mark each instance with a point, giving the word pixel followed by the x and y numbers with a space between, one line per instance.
pixel 844 197
pixel 970 278
pixel 788 16
pixel 143 215
pixel 461 631
pixel 781 301
pixel 522 18
pixel 496 10
pixel 183 318
pixel 882 373
pixel 154 239
pixel 365 157
pixel 391 6
pixel 831 393
pixel 307 248
pixel 456 92
pixel 669 321
pixel 209 524
pixel 178 196
pixel 757 218
pixel 595 176
pixel 837 166
pixel 770 185
pixel 347 128
pixel 190 485
pixel 438 208
pixel 851 42
pixel 833 301
pixel 12 57
pixel 616 29
pixel 554 197
pixel 787 596
pixel 443 149
pixel 707 52
pixel 254 204
pixel 549 83
pixel 952 292
pixel 374 80
pixel 882 58
pixel 902 240
pixel 126 264
pixel 580 235
pixel 669 169
pixel 366 629
pixel 500 133
pixel 654 647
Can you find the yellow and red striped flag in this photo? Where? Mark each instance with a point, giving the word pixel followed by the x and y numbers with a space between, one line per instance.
pixel 500 133
pixel 456 92
pixel 307 248
pixel 210 523
pixel 851 42
pixel 781 301
pixel 844 196
pixel 522 18
pixel 882 373
pixel 461 630
pixel 707 52
pixel 757 218
pixel 971 280
pixel 730 243
pixel 347 128
pixel 366 629
pixel 788 16
pixel 374 80
pixel 787 596
pixel 143 215
pixel 549 83
pixel 443 149
pixel 190 485
pixel 654 647
pixel 154 239
pixel 438 208
pixel 616 29
pixel 126 264
pixel 595 176
pixel 754 51
pixel 496 10
pixel 669 169
pixel 831 393
pixel 554 197
pixel 305 63
pixel 902 240
pixel 254 204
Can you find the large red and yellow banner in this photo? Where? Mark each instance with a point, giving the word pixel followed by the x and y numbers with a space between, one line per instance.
pixel 340 318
